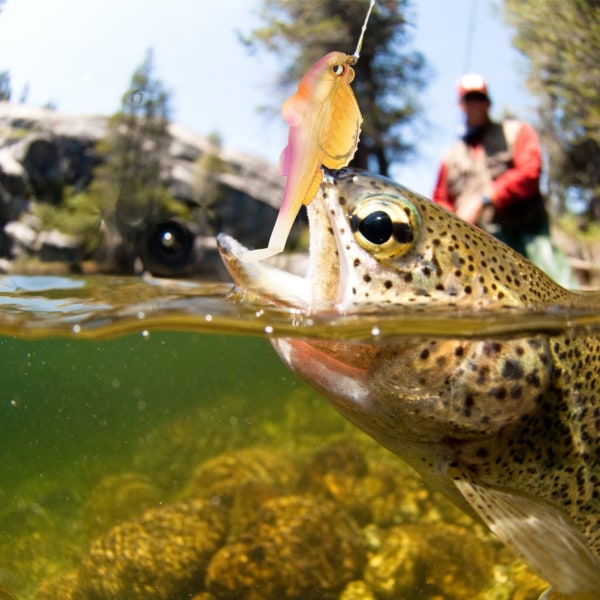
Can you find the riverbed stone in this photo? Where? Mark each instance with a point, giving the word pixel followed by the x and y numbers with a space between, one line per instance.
pixel 160 556
pixel 297 547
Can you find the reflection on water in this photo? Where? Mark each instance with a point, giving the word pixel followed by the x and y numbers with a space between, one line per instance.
pixel 250 485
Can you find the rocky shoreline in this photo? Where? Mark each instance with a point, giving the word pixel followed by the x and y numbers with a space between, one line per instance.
pixel 44 155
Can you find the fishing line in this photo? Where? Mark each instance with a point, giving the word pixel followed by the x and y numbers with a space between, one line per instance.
pixel 359 44
pixel 470 34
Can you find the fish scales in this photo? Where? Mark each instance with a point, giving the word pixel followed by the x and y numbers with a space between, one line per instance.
pixel 507 427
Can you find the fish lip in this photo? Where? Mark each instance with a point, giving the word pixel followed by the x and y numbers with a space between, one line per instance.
pixel 261 279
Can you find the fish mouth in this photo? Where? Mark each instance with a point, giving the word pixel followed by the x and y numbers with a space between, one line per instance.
pixel 319 289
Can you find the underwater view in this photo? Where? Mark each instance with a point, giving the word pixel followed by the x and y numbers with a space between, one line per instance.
pixel 154 446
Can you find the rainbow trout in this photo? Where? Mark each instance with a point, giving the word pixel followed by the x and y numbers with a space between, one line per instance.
pixel 508 427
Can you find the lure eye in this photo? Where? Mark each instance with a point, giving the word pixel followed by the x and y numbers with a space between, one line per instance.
pixel 338 69
pixel 385 225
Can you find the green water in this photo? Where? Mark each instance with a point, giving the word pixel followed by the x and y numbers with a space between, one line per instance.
pixel 116 393
pixel 64 398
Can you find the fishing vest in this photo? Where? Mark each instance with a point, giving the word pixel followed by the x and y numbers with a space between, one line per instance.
pixel 471 172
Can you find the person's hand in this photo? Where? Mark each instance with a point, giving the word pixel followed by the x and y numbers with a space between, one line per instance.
pixel 470 208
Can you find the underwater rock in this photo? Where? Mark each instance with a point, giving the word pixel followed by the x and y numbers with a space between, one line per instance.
pixel 161 556
pixel 513 579
pixel 339 471
pixel 342 457
pixel 6 595
pixel 357 590
pixel 65 587
pixel 247 501
pixel 440 559
pixel 296 548
pixel 371 488
pixel 120 497
pixel 219 478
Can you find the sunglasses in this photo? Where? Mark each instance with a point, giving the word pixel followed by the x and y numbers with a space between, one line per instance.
pixel 475 97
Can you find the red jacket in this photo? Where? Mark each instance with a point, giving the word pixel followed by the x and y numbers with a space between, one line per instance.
pixel 521 182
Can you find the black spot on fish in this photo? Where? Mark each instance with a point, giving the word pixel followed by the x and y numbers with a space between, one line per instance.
pixel 533 379
pixel 499 393
pixel 469 403
pixel 516 392
pixel 482 453
pixel 512 369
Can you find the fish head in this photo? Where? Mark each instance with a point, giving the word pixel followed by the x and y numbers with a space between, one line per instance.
pixel 375 245
pixel 375 248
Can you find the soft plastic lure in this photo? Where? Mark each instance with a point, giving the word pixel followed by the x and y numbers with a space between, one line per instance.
pixel 325 123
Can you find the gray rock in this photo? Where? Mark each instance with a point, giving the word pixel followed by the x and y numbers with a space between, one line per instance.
pixel 42 152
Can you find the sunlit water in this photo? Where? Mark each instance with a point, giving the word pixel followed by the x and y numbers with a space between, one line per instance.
pixel 119 395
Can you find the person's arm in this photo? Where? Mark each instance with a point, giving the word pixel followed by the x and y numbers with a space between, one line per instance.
pixel 522 181
pixel 441 194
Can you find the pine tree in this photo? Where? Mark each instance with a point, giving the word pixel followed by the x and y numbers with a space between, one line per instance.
pixel 561 40
pixel 136 150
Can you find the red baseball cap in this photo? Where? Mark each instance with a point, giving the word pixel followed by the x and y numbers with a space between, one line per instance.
pixel 472 83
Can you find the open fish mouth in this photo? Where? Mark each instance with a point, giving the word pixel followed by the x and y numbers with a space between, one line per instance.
pixel 321 288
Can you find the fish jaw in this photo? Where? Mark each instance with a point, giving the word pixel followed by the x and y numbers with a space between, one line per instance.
pixel 315 292
pixel 260 279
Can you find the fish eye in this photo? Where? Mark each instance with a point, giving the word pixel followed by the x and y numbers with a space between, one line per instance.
pixel 338 69
pixel 385 225
pixel 376 227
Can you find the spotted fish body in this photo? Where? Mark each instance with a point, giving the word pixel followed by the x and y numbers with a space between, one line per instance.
pixel 508 428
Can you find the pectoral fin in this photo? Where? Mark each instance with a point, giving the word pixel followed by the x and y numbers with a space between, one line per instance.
pixel 545 537
pixel 339 139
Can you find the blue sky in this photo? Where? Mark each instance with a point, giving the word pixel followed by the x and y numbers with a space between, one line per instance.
pixel 81 56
